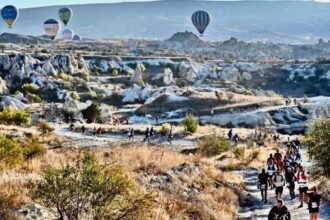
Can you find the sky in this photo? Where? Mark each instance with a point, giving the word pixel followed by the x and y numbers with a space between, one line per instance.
pixel 40 3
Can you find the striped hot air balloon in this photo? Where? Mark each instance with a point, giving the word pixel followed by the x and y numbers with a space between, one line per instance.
pixel 76 38
pixel 67 34
pixel 10 14
pixel 52 27
pixel 201 19
pixel 65 14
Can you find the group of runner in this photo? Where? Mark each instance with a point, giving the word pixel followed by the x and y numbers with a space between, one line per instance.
pixel 287 170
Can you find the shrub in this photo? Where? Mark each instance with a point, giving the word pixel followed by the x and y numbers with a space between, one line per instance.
pixel 64 76
pixel 75 96
pixel 213 145
pixel 33 97
pixel 190 123
pixel 141 83
pixel 44 127
pixel 245 158
pixel 318 143
pixel 14 117
pixel 33 150
pixel 91 113
pixel 92 94
pixel 87 190
pixel 29 88
pixel 165 129
pixel 142 67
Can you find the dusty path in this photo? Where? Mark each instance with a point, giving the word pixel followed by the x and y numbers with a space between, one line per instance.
pixel 260 210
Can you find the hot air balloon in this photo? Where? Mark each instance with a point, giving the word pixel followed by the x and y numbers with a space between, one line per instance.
pixel 65 14
pixel 76 38
pixel 201 19
pixel 52 27
pixel 10 14
pixel 67 34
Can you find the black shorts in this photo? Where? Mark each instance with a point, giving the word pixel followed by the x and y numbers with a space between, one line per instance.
pixel 303 190
pixel 291 185
pixel 313 210
pixel 279 190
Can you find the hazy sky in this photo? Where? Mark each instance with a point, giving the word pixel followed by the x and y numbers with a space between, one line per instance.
pixel 39 3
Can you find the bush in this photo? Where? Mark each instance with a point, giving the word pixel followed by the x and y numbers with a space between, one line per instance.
pixel 64 76
pixel 29 88
pixel 14 117
pixel 245 158
pixel 33 97
pixel 91 113
pixel 13 153
pixel 141 83
pixel 318 144
pixel 190 123
pixel 92 94
pixel 75 96
pixel 87 190
pixel 142 67
pixel 165 129
pixel 213 145
pixel 44 127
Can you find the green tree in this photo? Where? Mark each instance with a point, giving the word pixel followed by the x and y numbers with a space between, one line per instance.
pixel 213 145
pixel 191 123
pixel 88 190
pixel 318 143
pixel 91 113
pixel 75 96
pixel 10 116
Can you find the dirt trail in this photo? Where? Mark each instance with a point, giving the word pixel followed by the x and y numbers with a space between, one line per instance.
pixel 260 210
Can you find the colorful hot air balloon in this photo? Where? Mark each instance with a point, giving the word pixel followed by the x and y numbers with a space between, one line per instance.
pixel 76 38
pixel 10 14
pixel 65 14
pixel 52 27
pixel 67 34
pixel 201 19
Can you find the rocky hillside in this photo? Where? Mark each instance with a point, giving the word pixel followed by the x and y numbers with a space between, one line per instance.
pixel 23 39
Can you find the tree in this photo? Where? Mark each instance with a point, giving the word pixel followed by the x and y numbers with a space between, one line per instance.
pixel 318 143
pixel 213 145
pixel 91 113
pixel 190 123
pixel 88 190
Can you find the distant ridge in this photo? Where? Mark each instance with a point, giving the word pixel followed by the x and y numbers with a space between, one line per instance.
pixel 22 39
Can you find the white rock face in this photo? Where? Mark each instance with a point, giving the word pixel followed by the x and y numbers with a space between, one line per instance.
pixel 230 73
pixel 21 97
pixel 132 94
pixel 168 77
pixel 146 92
pixel 106 114
pixel 8 101
pixel 48 68
pixel 3 87
pixel 104 66
pixel 183 69
pixel 246 76
pixel 137 76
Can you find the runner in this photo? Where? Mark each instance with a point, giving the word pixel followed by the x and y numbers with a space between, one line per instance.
pixel 83 129
pixel 271 160
pixel 279 212
pixel 147 135
pixel 71 126
pixel 271 169
pixel 263 185
pixel 170 135
pixel 152 133
pixel 230 134
pixel 279 182
pixel 290 179
pixel 302 180
pixel 278 155
pixel 314 200
pixel 132 135
pixel 236 139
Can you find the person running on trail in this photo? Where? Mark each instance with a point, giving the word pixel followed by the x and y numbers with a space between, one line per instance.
pixel 271 169
pixel 236 139
pixel 279 183
pixel 279 212
pixel 152 133
pixel 302 180
pixel 290 179
pixel 130 135
pixel 280 166
pixel 278 155
pixel 230 134
pixel 170 135
pixel 263 185
pixel 99 131
pixel 271 160
pixel 314 201
pixel 147 135
pixel 71 127
pixel 297 158
pixel 94 131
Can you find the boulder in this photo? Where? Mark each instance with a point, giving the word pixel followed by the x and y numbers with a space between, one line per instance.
pixel 8 101
pixel 146 92
pixel 246 76
pixel 230 73
pixel 48 68
pixel 168 77
pixel 132 94
pixel 137 76
pixel 3 87
pixel 106 114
